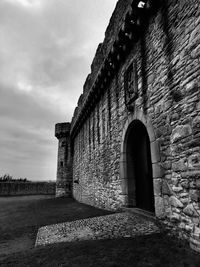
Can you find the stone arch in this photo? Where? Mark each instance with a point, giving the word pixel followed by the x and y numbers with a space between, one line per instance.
pixel 157 170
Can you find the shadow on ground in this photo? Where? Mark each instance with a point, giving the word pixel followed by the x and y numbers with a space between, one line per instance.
pixel 153 250
pixel 20 219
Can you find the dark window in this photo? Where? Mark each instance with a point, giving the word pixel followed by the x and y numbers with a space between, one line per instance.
pixel 61 164
pixel 131 83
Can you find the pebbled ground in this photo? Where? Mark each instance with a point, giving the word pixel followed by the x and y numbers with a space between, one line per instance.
pixel 103 227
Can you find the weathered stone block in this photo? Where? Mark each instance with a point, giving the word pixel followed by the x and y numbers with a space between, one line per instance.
pixel 157 184
pixel 180 132
pixel 175 217
pixel 174 181
pixel 158 170
pixel 166 189
pixel 159 207
pixel 176 210
pixel 196 52
pixel 123 169
pixel 192 87
pixel 194 142
pixel 184 200
pixel 194 37
pixel 155 152
pixel 186 219
pixel 191 175
pixel 190 211
pixel 198 183
pixel 188 228
pixel 194 161
pixel 168 212
pixel 180 165
pixel 124 186
pixel 177 189
pixel 167 165
pixel 176 149
pixel 195 220
pixel 193 185
pixel 195 195
pixel 184 195
pixel 196 125
pixel 173 201
pixel 196 231
pixel 185 183
pixel 182 225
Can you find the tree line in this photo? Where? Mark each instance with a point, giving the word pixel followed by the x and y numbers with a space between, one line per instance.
pixel 9 178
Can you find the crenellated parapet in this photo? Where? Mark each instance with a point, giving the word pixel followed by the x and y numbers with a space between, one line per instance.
pixel 62 129
pixel 126 25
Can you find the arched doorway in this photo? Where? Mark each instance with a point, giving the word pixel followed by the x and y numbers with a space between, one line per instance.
pixel 139 167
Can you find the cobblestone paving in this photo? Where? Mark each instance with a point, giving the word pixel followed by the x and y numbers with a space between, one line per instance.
pixel 104 227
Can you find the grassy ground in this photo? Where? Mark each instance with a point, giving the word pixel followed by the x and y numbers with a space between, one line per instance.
pixel 20 217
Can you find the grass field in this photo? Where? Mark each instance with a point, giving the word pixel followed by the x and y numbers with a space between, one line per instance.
pixel 20 218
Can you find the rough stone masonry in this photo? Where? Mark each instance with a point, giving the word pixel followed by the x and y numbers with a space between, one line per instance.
pixel 134 139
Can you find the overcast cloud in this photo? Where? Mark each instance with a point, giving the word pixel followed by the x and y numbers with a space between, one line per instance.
pixel 46 49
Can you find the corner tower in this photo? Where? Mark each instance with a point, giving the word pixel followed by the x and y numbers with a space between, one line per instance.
pixel 64 162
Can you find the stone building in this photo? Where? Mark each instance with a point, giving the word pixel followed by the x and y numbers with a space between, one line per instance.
pixel 134 139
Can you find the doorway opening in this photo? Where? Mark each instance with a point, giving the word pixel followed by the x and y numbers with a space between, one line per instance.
pixel 139 167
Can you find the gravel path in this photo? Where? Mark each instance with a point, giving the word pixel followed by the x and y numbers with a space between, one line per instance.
pixel 104 227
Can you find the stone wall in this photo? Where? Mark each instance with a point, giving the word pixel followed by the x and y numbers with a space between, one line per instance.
pixel 27 188
pixel 167 56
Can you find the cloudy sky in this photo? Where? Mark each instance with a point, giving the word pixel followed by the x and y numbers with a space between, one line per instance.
pixel 46 49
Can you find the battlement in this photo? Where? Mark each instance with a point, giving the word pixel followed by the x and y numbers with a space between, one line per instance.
pixel 94 80
pixel 62 129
